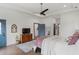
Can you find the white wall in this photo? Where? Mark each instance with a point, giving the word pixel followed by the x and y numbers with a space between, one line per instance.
pixel 69 23
pixel 18 18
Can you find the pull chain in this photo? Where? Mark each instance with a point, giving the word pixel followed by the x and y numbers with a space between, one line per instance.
pixel 41 6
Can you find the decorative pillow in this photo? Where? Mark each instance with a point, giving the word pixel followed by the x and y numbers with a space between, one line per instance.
pixel 39 41
pixel 77 43
pixel 72 40
pixel 76 34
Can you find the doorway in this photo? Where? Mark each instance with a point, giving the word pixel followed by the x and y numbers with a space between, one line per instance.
pixel 39 30
pixel 2 33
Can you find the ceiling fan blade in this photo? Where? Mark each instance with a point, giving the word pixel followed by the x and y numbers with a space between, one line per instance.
pixel 43 14
pixel 44 11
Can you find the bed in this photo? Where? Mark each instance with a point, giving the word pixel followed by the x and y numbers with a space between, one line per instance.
pixel 57 46
pixel 52 46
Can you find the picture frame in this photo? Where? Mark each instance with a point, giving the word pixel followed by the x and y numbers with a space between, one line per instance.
pixel 13 28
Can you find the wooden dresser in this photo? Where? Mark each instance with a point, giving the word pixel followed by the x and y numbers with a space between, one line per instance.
pixel 26 38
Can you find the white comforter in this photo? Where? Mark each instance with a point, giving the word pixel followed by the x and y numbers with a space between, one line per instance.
pixel 52 46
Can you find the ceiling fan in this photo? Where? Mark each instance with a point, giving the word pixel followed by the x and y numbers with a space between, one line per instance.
pixel 43 11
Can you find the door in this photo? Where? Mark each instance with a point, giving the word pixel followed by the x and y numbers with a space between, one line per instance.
pixel 2 33
pixel 41 29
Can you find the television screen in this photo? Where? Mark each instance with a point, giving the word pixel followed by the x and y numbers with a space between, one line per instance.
pixel 26 31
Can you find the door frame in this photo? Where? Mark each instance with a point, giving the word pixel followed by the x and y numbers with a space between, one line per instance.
pixel 5 31
pixel 34 28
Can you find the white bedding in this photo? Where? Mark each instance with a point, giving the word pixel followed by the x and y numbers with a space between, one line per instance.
pixel 47 46
pixel 62 48
pixel 52 46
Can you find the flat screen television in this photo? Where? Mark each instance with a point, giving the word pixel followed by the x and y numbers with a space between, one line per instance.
pixel 26 31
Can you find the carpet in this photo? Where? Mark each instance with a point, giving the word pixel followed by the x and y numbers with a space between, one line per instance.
pixel 26 47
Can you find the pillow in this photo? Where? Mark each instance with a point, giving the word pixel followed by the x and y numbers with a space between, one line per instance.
pixel 72 40
pixel 76 34
pixel 39 41
pixel 77 43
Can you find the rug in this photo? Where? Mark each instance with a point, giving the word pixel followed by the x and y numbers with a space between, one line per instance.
pixel 26 47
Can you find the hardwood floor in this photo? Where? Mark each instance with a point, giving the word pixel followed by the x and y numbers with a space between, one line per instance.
pixel 13 50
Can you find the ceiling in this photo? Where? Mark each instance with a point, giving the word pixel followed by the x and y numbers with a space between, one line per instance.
pixel 35 8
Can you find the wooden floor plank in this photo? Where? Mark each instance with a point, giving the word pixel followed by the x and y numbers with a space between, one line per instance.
pixel 13 50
